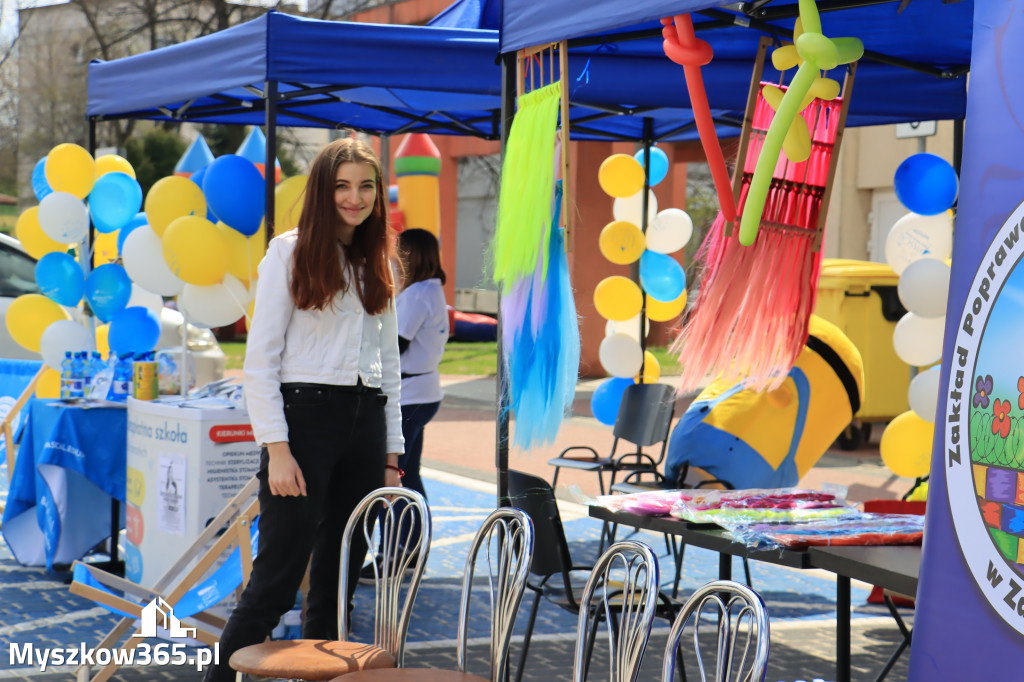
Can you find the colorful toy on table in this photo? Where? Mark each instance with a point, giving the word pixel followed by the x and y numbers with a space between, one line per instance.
pixel 728 507
pixel 763 440
pixel 645 503
pixel 857 529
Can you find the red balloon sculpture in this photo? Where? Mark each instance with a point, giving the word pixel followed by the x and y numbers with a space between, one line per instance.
pixel 682 46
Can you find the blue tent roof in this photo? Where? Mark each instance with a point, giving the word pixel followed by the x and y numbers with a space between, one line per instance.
pixel 388 79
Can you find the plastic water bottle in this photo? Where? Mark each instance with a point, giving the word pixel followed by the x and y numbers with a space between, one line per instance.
pixel 78 375
pixel 122 386
pixel 65 375
pixel 88 371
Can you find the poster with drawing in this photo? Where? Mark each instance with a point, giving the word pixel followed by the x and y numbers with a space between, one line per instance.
pixel 171 493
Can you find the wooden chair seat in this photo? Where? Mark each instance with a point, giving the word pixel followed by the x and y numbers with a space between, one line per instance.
pixel 309 659
pixel 410 675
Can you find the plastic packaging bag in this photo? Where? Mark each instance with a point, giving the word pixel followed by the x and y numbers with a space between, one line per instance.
pixel 859 529
pixel 759 505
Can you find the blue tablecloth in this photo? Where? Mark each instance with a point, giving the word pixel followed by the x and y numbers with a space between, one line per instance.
pixel 70 464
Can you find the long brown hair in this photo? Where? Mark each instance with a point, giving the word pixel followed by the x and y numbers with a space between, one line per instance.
pixel 421 256
pixel 317 272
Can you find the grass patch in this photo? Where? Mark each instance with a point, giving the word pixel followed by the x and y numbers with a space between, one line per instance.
pixel 234 352
pixel 460 357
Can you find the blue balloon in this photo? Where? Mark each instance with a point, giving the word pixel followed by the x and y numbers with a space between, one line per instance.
pixel 139 219
pixel 197 178
pixel 114 201
pixel 661 276
pixel 40 186
pixel 60 278
pixel 926 184
pixel 234 191
pixel 108 289
pixel 604 403
pixel 134 330
pixel 659 165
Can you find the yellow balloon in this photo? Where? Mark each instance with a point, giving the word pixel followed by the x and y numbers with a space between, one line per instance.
pixel 652 369
pixel 102 339
pixel 171 198
pixel 104 248
pixel 70 168
pixel 28 317
pixel 48 385
pixel 111 163
pixel 659 311
pixel 30 233
pixel 288 197
pixel 622 242
pixel 244 253
pixel 906 445
pixel 196 251
pixel 617 298
pixel 621 176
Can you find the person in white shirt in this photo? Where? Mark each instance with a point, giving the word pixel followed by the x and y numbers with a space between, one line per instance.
pixel 422 335
pixel 322 386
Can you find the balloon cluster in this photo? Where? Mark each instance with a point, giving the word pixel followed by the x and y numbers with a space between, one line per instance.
pixel 199 238
pixel 917 248
pixel 661 293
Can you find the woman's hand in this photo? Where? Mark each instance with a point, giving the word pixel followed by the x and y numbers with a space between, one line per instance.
pixel 283 473
pixel 391 473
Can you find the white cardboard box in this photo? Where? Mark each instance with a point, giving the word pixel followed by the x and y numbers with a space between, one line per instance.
pixel 184 465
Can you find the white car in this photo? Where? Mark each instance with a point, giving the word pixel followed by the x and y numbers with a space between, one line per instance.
pixel 18 276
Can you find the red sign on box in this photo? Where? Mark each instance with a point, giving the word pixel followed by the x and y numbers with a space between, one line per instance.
pixel 231 433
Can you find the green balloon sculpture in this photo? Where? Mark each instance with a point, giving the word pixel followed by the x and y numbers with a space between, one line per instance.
pixel 818 53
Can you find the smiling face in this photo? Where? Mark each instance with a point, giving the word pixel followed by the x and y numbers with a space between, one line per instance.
pixel 355 188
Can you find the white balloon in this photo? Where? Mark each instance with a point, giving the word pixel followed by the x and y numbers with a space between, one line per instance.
pixel 919 236
pixel 630 209
pixel 918 340
pixel 924 287
pixel 145 299
pixel 620 355
pixel 630 327
pixel 63 336
pixel 670 231
pixel 143 256
pixel 217 305
pixel 923 393
pixel 64 217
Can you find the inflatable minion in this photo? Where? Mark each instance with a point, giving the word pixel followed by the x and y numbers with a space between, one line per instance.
pixel 770 440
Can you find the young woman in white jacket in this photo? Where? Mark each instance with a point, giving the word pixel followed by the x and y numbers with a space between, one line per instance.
pixel 322 386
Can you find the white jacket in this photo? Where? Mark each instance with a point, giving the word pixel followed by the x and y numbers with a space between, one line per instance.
pixel 337 345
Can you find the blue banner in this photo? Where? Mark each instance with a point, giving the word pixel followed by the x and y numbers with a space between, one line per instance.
pixel 970 607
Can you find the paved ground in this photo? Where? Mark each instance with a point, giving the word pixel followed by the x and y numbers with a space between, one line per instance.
pixel 36 607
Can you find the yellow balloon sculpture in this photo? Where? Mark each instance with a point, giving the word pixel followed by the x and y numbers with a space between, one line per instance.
pixel 28 317
pixel 622 242
pixel 70 168
pixel 171 198
pixel 196 251
pixel 906 445
pixel 30 233
pixel 819 53
pixel 617 298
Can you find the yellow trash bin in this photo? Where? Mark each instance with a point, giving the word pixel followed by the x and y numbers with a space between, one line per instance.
pixel 860 298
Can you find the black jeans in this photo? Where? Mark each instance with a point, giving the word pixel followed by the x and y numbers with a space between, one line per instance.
pixel 414 420
pixel 338 436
